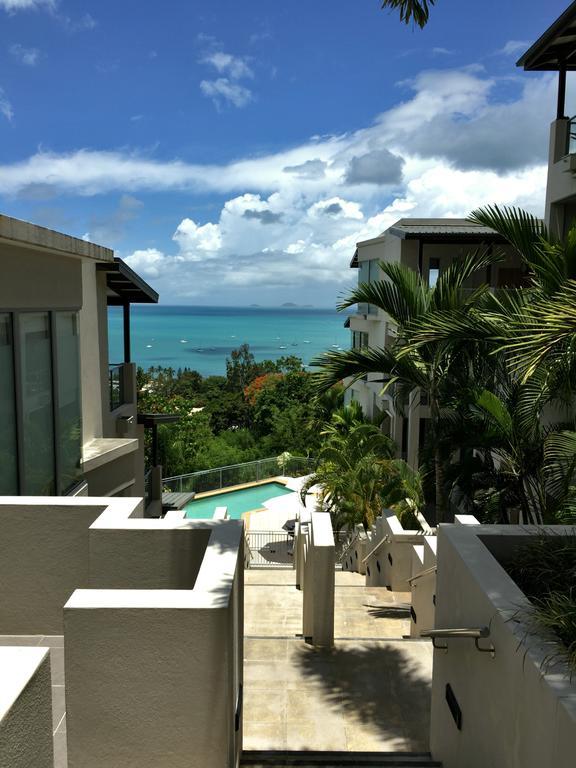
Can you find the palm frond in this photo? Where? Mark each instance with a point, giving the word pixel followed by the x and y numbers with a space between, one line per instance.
pixel 416 10
pixel 521 229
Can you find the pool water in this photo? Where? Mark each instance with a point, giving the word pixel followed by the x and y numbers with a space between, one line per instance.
pixel 237 502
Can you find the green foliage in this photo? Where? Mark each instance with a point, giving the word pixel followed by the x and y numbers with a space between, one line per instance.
pixel 545 569
pixel 417 11
pixel 234 419
pixel 358 475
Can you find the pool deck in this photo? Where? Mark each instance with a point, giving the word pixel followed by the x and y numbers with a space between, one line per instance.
pixel 371 692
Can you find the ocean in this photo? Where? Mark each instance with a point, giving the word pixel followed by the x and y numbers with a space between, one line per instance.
pixel 201 338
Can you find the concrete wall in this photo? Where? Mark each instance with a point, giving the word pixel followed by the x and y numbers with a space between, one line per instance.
pixel 154 675
pixel 25 708
pixel 515 712
pixel 43 558
pixel 90 371
pixel 355 552
pixel 318 552
pixel 390 553
pixel 32 280
pixel 423 586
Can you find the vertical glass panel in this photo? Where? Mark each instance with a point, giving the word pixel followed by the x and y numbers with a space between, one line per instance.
pixel 8 446
pixel 69 414
pixel 37 406
pixel 434 272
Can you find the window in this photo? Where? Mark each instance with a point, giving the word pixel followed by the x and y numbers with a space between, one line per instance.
pixel 35 347
pixel 433 272
pixel 40 442
pixel 8 458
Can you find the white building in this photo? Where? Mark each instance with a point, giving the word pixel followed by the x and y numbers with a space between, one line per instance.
pixel 69 421
pixel 427 246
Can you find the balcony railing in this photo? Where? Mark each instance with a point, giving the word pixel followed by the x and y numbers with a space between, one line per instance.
pixel 116 386
pixel 571 138
pixel 238 474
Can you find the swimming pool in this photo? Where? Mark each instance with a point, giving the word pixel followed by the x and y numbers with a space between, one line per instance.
pixel 237 502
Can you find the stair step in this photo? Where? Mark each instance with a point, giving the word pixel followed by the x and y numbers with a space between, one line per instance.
pixel 312 759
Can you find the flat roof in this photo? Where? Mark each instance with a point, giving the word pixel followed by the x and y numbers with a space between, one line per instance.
pixel 125 286
pixel 23 233
pixel 556 48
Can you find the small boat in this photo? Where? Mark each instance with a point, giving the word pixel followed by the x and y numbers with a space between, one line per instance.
pixel 306 342
pixel 282 347
pixel 183 341
pixel 336 346
pixel 148 346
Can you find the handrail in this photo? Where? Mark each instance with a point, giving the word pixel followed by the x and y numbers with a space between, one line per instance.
pixel 382 541
pixel 422 573
pixel 349 546
pixel 456 633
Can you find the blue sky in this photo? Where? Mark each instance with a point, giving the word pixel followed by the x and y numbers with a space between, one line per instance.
pixel 235 152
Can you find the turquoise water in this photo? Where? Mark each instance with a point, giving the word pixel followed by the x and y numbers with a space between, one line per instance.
pixel 201 338
pixel 237 502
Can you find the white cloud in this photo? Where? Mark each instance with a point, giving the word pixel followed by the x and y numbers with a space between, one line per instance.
pixel 5 106
pixel 223 90
pixel 24 5
pixel 454 140
pixel 514 47
pixel 27 56
pixel 235 67
pixel 147 262
pixel 197 241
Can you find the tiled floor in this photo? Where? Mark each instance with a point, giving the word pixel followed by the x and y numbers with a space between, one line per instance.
pixel 370 693
pixel 56 645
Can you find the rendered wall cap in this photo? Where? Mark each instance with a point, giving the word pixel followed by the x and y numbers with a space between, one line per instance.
pixel 17 667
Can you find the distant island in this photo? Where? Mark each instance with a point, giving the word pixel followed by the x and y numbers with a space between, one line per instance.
pixel 254 305
pixel 291 305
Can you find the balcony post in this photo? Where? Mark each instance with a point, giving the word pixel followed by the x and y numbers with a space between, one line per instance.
pixel 126 318
pixel 561 92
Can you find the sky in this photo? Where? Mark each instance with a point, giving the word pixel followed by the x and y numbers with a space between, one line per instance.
pixel 234 153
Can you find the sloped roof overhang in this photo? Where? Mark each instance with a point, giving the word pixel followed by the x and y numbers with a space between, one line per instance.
pixel 125 286
pixel 555 49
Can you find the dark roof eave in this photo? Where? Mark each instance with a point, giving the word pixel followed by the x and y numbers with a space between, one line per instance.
pixel 445 237
pixel 126 285
pixel 542 56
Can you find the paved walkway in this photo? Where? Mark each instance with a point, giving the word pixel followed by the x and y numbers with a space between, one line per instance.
pixel 370 693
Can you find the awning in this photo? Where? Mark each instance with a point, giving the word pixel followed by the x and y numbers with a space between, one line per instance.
pixel 125 286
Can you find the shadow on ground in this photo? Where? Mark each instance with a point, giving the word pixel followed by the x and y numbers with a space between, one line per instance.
pixel 385 686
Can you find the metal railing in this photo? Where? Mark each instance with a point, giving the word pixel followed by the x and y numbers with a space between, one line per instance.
pixel 459 633
pixel 571 139
pixel 238 474
pixel 115 386
pixel 270 549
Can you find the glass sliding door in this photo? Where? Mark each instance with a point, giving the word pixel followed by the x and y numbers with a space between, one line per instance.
pixel 37 403
pixel 69 412
pixel 8 441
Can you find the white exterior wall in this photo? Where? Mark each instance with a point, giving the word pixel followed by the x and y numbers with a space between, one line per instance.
pixel 90 371
pixel 43 559
pixel 515 714
pixel 154 675
pixel 317 552
pixel 25 708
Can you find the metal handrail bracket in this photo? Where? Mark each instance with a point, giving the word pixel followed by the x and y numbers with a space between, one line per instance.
pixel 476 633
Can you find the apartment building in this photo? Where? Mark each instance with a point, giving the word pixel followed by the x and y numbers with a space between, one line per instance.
pixel 69 420
pixel 427 246
pixel 554 52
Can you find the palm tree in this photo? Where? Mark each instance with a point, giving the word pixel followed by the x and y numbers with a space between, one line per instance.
pixel 351 471
pixel 418 10
pixel 523 462
pixel 430 367
pixel 403 492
